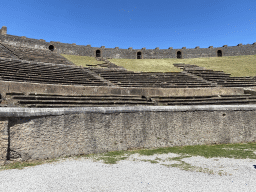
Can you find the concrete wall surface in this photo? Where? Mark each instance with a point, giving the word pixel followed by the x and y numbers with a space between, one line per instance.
pixel 41 134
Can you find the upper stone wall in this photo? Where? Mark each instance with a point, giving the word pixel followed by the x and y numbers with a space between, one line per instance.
pixel 73 49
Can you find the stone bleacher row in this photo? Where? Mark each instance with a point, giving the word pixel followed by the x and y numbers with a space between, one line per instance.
pixel 15 70
pixel 206 100
pixel 50 100
pixel 124 78
pixel 53 100
pixel 218 77
pixel 35 55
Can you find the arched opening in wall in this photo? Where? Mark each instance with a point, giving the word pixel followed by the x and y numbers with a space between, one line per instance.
pixel 139 56
pixel 179 55
pixel 51 48
pixel 219 53
pixel 98 53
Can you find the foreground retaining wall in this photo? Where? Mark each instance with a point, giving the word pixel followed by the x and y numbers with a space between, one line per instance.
pixel 49 133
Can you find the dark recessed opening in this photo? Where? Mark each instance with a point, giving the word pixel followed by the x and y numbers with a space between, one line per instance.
pixel 51 48
pixel 219 53
pixel 179 55
pixel 139 55
pixel 98 53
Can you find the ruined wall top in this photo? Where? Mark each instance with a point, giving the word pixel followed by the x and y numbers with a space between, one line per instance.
pixel 3 31
pixel 129 53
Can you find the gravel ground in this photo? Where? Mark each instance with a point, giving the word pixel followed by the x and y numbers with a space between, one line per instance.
pixel 133 174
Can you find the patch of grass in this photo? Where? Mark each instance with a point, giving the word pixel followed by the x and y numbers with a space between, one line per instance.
pixel 237 151
pixel 151 161
pixel 82 60
pixel 21 165
pixel 187 167
pixel 237 66
pixel 208 151
pixel 148 65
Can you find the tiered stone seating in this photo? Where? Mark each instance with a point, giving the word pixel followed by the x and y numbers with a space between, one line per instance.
pixel 206 100
pixel 124 78
pixel 50 100
pixel 15 70
pixel 218 77
pixel 37 55
pixel 53 100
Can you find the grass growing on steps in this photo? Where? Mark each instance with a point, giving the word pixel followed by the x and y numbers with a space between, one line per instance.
pixel 82 60
pixel 237 66
pixel 237 151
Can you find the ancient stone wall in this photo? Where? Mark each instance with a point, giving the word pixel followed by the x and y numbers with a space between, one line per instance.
pixel 36 135
pixel 73 49
pixel 3 139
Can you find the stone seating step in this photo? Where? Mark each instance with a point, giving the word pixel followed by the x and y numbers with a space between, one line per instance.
pixel 84 105
pixel 240 85
pixel 218 102
pixel 43 81
pixel 26 102
pixel 85 96
pixel 78 98
pixel 14 93
pixel 181 97
pixel 207 99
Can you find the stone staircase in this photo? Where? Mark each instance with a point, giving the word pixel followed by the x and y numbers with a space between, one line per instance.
pixel 218 78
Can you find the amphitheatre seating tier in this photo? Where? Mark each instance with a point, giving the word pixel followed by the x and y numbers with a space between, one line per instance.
pixel 150 79
pixel 14 70
pixel 218 77
pixel 35 55
pixel 206 100
pixel 54 100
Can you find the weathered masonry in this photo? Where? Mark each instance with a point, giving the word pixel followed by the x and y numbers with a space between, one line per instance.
pixel 130 53
pixel 29 133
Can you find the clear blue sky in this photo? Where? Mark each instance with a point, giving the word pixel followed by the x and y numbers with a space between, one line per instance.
pixel 133 23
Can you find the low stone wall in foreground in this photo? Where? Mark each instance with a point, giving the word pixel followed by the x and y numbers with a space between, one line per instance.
pixel 32 133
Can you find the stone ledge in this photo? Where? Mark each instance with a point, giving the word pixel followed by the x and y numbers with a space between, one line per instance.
pixel 32 112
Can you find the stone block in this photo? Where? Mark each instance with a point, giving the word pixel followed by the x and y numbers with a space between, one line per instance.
pixel 3 30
